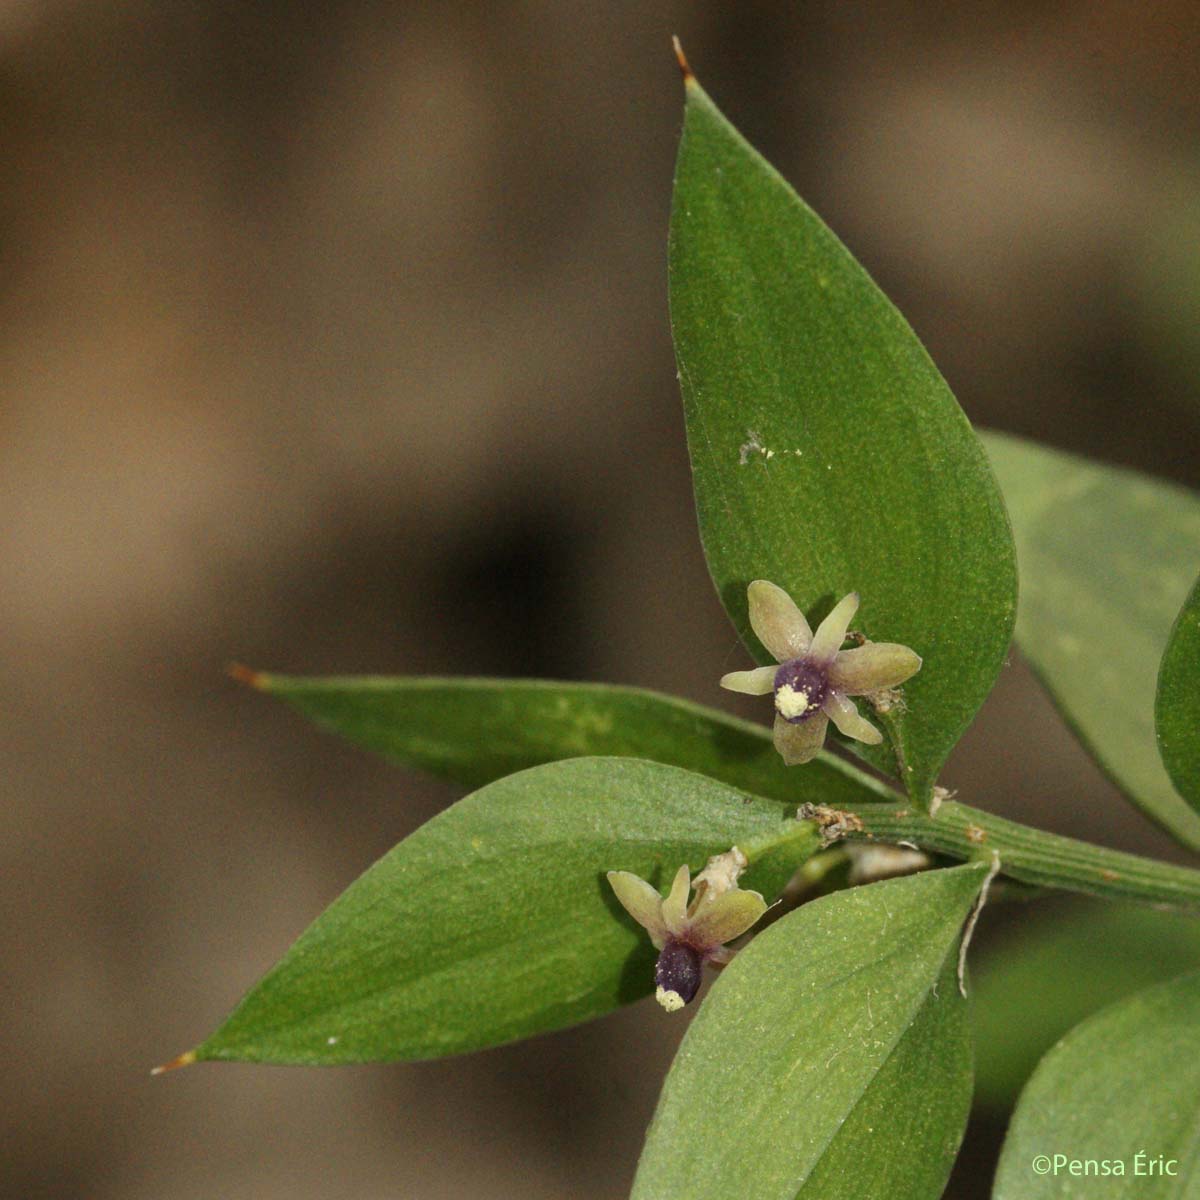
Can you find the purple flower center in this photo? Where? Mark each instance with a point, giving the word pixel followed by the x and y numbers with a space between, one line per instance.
pixel 801 687
pixel 678 970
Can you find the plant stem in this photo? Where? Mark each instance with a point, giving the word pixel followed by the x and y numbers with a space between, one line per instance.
pixel 1031 855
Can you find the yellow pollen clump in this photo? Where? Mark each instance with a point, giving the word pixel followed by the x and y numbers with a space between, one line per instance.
pixel 791 702
pixel 670 1000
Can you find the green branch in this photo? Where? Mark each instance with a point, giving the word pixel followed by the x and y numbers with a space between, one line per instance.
pixel 1028 855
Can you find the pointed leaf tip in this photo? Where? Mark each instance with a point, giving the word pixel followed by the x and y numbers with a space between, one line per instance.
pixel 248 676
pixel 184 1060
pixel 681 59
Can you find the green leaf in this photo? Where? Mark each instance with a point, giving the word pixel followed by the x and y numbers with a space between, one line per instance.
pixel 1030 988
pixel 1177 704
pixel 494 920
pixel 1125 1082
pixel 831 1056
pixel 828 454
pixel 1107 557
pixel 476 730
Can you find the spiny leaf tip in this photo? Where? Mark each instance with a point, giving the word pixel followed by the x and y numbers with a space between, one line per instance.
pixel 681 59
pixel 246 675
pixel 184 1060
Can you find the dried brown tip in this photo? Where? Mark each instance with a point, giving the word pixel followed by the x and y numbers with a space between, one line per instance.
pixel 681 59
pixel 243 674
pixel 184 1060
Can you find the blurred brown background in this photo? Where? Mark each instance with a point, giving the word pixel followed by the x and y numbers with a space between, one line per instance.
pixel 334 339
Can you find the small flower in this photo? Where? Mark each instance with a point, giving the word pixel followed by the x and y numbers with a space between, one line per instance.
pixel 816 677
pixel 688 936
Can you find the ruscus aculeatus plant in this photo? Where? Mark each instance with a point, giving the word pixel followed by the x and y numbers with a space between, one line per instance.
pixel 835 1049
